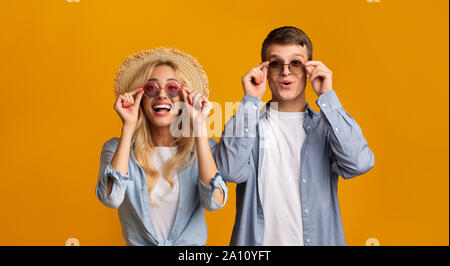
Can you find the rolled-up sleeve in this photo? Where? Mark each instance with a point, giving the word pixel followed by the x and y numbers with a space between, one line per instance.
pixel 207 193
pixel 120 181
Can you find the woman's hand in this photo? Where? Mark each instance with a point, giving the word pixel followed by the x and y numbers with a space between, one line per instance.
pixel 199 108
pixel 128 107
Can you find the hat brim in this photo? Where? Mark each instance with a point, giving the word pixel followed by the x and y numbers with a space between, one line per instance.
pixel 187 64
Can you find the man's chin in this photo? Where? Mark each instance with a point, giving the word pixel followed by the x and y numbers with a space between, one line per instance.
pixel 286 96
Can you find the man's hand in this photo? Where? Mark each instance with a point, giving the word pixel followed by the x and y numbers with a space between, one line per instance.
pixel 254 82
pixel 319 76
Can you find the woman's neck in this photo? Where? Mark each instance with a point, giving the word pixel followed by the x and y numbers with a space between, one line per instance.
pixel 162 137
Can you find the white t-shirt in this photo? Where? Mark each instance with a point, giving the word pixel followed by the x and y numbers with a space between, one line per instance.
pixel 280 178
pixel 165 199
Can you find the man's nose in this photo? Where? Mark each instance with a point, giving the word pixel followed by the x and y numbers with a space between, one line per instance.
pixel 285 71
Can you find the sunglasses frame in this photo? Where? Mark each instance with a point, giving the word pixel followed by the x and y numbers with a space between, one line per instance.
pixel 289 67
pixel 165 89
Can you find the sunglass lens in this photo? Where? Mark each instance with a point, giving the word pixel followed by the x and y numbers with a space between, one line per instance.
pixel 151 89
pixel 275 67
pixel 296 67
pixel 173 90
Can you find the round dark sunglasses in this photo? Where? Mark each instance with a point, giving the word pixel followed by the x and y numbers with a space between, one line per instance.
pixel 295 67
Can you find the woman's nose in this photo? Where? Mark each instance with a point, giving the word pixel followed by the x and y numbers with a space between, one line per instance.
pixel 162 94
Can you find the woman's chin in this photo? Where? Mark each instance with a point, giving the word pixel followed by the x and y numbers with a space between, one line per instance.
pixel 162 121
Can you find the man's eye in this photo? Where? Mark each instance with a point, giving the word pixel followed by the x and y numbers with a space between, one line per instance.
pixel 275 64
pixel 296 63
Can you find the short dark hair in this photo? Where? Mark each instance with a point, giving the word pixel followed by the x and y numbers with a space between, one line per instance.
pixel 287 35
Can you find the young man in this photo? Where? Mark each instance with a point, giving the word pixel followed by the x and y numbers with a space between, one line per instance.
pixel 287 159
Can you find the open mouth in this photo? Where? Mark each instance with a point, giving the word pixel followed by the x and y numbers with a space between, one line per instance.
pixel 286 84
pixel 162 108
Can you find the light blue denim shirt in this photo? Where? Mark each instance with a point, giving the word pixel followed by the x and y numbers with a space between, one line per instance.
pixel 130 195
pixel 334 146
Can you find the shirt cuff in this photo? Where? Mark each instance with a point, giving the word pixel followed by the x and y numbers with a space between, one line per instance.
pixel 208 191
pixel 253 99
pixel 115 175
pixel 328 102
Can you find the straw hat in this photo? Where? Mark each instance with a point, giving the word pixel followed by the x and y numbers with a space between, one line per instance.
pixel 187 64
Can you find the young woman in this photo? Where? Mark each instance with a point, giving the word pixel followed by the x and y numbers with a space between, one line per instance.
pixel 161 180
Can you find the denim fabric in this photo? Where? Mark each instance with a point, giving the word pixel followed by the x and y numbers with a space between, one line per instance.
pixel 334 146
pixel 130 195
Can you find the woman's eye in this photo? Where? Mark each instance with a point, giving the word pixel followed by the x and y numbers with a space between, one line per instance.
pixel 151 88
pixel 172 88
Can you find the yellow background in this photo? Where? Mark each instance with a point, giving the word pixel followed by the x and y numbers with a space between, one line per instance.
pixel 58 60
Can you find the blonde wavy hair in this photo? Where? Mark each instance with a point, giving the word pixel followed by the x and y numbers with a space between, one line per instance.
pixel 143 145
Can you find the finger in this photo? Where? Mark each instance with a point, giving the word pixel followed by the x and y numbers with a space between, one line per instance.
pixel 314 74
pixel 309 70
pixel 317 74
pixel 257 75
pixel 129 99
pixel 133 92
pixel 265 70
pixel 321 67
pixel 190 96
pixel 263 65
pixel 312 63
pixel 188 90
pixel 118 100
pixel 197 101
pixel 184 90
pixel 317 64
pixel 124 103
pixel 184 93
pixel 204 99
pixel 206 105
pixel 139 97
